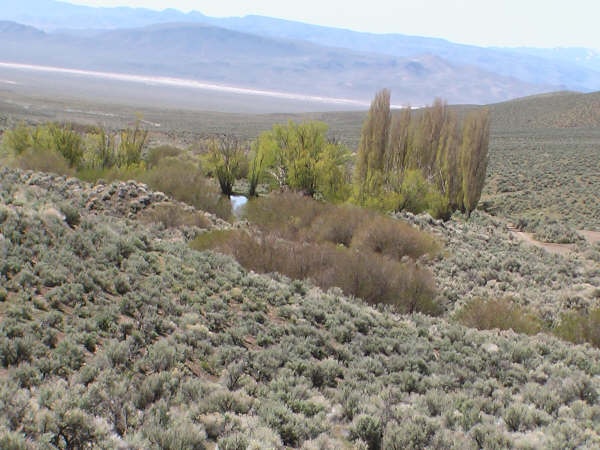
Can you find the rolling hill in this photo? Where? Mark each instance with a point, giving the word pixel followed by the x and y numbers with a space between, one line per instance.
pixel 556 110
pixel 114 333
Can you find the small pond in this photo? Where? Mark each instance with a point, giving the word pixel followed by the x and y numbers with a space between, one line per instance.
pixel 237 203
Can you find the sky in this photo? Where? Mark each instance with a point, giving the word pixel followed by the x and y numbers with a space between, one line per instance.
pixel 536 23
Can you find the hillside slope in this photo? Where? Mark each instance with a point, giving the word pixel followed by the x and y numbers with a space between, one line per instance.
pixel 115 334
pixel 555 110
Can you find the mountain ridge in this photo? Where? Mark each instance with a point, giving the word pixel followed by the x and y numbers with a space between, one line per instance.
pixel 224 56
pixel 560 68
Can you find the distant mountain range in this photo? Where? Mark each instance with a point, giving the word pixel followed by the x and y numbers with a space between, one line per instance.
pixel 273 54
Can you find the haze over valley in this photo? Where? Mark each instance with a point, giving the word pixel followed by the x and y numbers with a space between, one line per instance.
pixel 275 55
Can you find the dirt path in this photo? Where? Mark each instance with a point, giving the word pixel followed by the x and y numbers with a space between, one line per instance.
pixel 591 236
pixel 562 249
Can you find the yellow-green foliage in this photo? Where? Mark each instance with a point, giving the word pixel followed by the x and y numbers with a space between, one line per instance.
pixel 131 145
pixel 183 180
pixel 100 150
pixel 430 162
pixel 372 150
pixel 93 154
pixel 474 158
pixel 83 149
pixel 580 327
pixel 500 313
pixel 226 160
pixel 302 158
pixel 18 139
pixel 61 140
pixel 67 142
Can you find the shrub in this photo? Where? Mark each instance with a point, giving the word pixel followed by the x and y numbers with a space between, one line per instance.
pixel 67 142
pixel 501 313
pixel 289 426
pixel 413 433
pixel 11 440
pixel 286 214
pixel 517 418
pixel 369 276
pixel 131 145
pixel 170 430
pixel 18 139
pixel 72 216
pixel 76 429
pixel 162 356
pixel 338 225
pixel 368 429
pixel 43 161
pixel 184 181
pixel 100 150
pixel 236 441
pixel 156 154
pixel 173 216
pixel 393 238
pixel 295 217
pixel 69 356
pixel 488 436
pixel 580 327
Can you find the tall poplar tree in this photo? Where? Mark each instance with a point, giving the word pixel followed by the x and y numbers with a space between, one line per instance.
pixel 474 157
pixel 371 155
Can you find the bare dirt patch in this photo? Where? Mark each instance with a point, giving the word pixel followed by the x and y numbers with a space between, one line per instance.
pixel 529 239
pixel 591 236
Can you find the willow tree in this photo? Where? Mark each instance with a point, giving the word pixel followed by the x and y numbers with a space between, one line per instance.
pixel 225 159
pixel 300 157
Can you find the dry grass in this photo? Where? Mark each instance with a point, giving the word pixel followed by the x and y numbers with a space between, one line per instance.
pixel 172 216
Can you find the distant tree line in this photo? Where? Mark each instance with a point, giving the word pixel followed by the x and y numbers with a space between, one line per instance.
pixel 416 160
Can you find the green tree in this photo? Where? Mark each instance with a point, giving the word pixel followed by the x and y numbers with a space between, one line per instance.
pixel 372 150
pixel 257 167
pixel 131 145
pixel 426 161
pixel 398 154
pixel 447 176
pixel 474 158
pixel 300 157
pixel 67 142
pixel 225 160
pixel 102 152
pixel 18 139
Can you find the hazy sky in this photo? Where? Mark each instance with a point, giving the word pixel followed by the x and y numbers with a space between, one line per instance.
pixel 541 23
